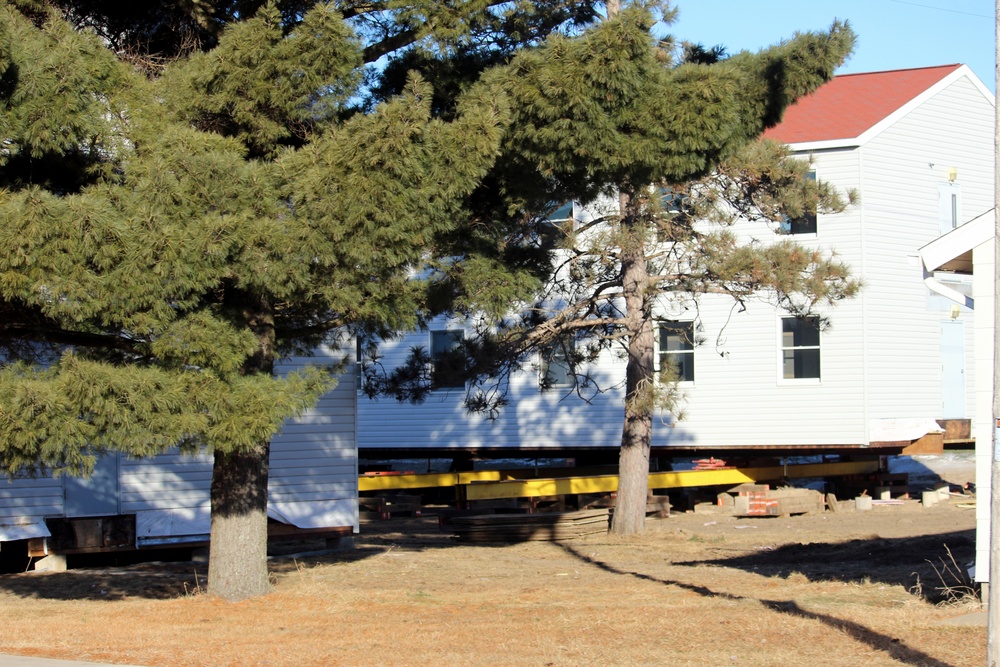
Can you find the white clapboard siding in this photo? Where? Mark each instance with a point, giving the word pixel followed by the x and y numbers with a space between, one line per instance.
pixel 314 468
pixel 168 481
pixel 31 497
pixel 312 482
pixel 904 167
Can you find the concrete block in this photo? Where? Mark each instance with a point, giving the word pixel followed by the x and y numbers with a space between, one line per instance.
pixel 51 563
pixel 863 503
pixel 929 498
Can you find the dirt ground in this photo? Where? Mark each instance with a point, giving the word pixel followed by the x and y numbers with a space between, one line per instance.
pixel 849 588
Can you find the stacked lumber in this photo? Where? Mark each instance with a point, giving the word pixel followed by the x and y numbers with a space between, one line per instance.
pixel 762 501
pixel 549 526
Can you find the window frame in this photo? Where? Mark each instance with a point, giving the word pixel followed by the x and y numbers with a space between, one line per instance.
pixel 359 375
pixel 783 350
pixel 457 336
pixel 555 355
pixel 788 226
pixel 681 329
pixel 949 206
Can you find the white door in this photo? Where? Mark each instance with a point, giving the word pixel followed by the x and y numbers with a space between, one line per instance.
pixel 952 370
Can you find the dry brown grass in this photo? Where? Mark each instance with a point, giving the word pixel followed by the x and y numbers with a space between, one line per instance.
pixel 833 589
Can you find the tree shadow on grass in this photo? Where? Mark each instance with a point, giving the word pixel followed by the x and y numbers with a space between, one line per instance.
pixel 123 575
pixel 915 563
pixel 891 646
pixel 150 581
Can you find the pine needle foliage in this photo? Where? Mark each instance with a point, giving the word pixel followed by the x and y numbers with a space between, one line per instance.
pixel 177 214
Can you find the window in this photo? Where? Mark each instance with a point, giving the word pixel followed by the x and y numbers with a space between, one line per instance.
pixel 553 369
pixel 949 206
pixel 800 347
pixel 447 360
pixel 359 374
pixel 677 211
pixel 676 348
pixel 806 223
pixel 564 212
pixel 677 205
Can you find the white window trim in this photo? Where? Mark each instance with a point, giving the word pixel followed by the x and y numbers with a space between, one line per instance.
pixel 779 337
pixel 657 366
pixel 949 207
pixel 359 376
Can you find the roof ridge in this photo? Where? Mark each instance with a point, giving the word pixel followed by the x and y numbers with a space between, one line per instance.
pixel 901 69
pixel 849 105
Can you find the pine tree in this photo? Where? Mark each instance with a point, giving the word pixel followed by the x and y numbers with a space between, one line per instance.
pixel 609 112
pixel 174 222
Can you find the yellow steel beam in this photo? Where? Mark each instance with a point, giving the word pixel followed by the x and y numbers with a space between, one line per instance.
pixel 491 484
pixel 553 486
pixel 427 480
pixel 734 476
pixel 528 488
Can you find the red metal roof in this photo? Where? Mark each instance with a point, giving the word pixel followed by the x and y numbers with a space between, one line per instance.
pixel 850 104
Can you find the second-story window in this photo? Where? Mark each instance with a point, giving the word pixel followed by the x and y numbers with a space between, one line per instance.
pixel 805 223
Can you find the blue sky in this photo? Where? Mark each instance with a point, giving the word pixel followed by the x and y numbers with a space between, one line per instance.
pixel 892 34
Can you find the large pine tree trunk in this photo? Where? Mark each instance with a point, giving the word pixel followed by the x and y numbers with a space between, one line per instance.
pixel 237 567
pixel 237 563
pixel 633 463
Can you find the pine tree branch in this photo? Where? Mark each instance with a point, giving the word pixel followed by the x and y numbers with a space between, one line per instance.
pixel 390 44
pixel 54 335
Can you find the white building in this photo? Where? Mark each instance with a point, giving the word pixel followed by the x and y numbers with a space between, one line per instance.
pixel 164 500
pixel 918 147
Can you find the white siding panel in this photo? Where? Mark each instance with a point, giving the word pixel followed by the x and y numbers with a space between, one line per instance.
pixel 318 513
pixel 306 492
pixel 168 481
pixel 31 497
pixel 313 472
pixel 314 467
pixel 533 419
pixel 736 398
pixel 903 168
pixel 739 397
